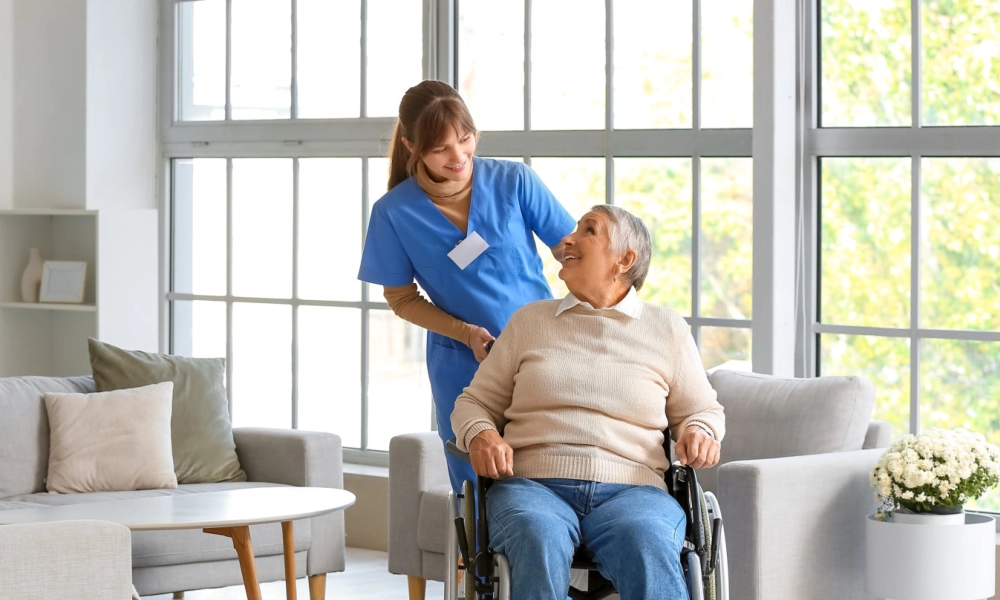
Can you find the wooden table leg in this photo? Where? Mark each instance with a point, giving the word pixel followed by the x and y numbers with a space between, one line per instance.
pixel 288 542
pixel 317 587
pixel 244 550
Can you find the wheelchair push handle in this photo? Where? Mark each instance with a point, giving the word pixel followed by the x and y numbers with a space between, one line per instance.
pixel 451 446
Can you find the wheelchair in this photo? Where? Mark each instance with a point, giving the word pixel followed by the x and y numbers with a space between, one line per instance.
pixel 487 573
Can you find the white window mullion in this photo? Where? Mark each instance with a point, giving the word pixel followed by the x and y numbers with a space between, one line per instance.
pixel 806 171
pixel 439 41
pixel 527 71
pixel 229 60
pixel 774 188
pixel 696 65
pixel 229 278
pixel 916 108
pixel 915 293
pixel 294 92
pixel 364 59
pixel 609 101
pixel 696 172
pixel 696 241
pixel 916 50
pixel 366 308
pixel 295 287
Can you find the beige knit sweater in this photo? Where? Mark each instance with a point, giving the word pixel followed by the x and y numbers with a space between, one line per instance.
pixel 587 394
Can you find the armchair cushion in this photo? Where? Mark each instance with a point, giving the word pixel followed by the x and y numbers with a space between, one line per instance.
pixel 769 417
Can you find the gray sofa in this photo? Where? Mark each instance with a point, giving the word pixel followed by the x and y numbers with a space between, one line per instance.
pixel 792 484
pixel 176 561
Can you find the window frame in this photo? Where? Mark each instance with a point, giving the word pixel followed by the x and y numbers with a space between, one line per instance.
pixel 777 345
pixel 915 142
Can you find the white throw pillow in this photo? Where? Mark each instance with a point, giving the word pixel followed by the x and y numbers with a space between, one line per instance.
pixel 111 441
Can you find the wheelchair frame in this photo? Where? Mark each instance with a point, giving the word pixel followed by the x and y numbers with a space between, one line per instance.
pixel 487 573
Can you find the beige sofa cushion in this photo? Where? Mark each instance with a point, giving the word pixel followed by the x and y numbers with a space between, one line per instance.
pixel 110 441
pixel 201 432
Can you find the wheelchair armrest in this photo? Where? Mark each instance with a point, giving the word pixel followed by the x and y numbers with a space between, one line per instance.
pixel 453 449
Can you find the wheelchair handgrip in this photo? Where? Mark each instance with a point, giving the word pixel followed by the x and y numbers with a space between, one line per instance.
pixel 454 450
pixel 463 544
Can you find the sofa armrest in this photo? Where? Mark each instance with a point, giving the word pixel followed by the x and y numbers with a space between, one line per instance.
pixel 416 464
pixel 795 526
pixel 302 458
pixel 66 559
pixel 879 435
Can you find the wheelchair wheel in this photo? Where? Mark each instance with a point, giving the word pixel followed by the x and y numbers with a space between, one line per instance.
pixel 469 516
pixel 721 576
pixel 503 576
pixel 707 543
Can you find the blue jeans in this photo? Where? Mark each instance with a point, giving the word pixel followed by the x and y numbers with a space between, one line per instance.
pixel 635 534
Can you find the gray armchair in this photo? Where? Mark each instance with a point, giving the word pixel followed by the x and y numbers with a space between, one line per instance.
pixel 86 560
pixel 792 483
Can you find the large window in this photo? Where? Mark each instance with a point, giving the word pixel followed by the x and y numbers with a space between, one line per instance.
pixel 906 254
pixel 653 114
pixel 276 134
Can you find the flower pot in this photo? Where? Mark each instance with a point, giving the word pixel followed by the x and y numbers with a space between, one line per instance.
pixel 951 562
pixel 943 517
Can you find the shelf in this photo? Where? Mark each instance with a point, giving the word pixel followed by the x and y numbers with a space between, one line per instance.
pixel 50 306
pixel 48 212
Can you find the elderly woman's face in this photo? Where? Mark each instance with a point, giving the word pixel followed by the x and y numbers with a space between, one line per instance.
pixel 587 258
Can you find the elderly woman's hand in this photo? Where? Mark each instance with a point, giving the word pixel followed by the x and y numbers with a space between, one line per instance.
pixel 491 456
pixel 697 448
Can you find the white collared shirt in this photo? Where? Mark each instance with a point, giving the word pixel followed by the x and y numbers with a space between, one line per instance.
pixel 630 304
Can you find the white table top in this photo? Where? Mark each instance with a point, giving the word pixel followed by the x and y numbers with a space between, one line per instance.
pixel 228 508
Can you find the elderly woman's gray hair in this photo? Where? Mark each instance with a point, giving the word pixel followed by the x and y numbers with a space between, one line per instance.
pixel 628 231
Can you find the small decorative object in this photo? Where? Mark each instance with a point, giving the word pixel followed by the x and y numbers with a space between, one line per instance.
pixel 62 281
pixel 32 277
pixel 928 477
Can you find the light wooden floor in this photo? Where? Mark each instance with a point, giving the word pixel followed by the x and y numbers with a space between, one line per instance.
pixel 366 578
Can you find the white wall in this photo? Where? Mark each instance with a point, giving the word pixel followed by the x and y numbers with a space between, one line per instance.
pixel 50 73
pixel 121 104
pixel 6 103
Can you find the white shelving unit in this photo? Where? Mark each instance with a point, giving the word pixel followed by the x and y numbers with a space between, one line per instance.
pixel 120 293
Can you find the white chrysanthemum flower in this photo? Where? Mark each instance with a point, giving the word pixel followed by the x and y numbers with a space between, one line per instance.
pixel 938 466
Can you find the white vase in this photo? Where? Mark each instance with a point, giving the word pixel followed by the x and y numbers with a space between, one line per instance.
pixel 31 279
pixel 912 518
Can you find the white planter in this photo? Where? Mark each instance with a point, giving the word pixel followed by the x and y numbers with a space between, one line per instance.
pixel 927 518
pixel 921 562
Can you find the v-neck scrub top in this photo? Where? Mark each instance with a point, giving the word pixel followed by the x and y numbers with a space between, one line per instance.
pixel 409 239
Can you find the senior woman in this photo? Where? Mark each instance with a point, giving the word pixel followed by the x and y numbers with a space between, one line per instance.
pixel 582 389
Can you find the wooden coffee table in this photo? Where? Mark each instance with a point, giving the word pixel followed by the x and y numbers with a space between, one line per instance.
pixel 229 513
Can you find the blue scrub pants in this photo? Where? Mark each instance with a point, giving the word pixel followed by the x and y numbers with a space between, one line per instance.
pixel 634 532
pixel 450 370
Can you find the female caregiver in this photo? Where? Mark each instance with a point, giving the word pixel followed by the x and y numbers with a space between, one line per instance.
pixel 462 227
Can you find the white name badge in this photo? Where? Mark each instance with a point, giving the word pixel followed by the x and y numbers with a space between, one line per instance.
pixel 468 250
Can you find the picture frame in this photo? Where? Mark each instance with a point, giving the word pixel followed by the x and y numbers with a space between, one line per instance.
pixel 63 281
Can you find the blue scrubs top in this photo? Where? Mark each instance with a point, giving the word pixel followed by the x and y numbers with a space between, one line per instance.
pixel 409 238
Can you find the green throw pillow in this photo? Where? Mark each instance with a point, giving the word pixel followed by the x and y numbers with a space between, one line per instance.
pixel 200 430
